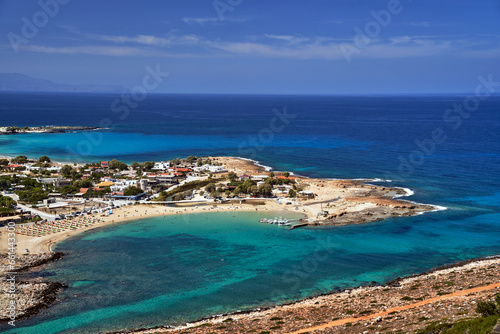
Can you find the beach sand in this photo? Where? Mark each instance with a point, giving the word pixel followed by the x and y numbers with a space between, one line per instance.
pixel 336 202
pixel 45 243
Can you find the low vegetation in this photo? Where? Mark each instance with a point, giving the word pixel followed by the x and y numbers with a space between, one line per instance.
pixel 188 186
pixel 490 315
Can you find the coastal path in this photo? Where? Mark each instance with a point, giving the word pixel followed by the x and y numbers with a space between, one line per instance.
pixel 397 309
pixel 33 211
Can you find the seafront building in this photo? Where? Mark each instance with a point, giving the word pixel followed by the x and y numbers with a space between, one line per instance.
pixel 70 190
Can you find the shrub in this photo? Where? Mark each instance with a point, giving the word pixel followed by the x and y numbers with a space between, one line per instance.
pixel 487 308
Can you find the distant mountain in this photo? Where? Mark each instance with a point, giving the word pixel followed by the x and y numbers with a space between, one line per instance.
pixel 16 82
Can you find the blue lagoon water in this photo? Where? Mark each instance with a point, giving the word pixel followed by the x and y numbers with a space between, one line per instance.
pixel 166 271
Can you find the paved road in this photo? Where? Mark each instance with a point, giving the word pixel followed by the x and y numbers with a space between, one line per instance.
pixel 42 214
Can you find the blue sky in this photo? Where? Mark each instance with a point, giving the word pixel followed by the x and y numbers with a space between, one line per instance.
pixel 257 46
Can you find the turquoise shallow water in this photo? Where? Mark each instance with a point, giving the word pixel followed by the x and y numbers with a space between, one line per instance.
pixel 156 272
pixel 169 270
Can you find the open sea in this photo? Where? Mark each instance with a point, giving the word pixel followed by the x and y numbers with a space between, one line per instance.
pixel 172 270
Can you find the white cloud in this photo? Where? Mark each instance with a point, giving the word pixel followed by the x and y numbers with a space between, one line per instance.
pixel 287 38
pixel 149 40
pixel 259 49
pixel 140 39
pixel 417 48
pixel 90 50
pixel 397 48
pixel 492 53
pixel 275 46
pixel 424 24
pixel 210 20
pixel 200 20
pixel 400 39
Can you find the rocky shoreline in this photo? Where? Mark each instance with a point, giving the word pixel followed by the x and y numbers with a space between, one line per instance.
pixel 13 130
pixel 31 295
pixel 335 202
pixel 359 302
pixel 341 202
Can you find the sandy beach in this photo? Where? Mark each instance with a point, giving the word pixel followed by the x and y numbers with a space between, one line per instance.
pixel 346 201
pixel 335 202
pixel 45 244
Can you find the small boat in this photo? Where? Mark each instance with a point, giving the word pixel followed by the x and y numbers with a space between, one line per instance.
pixel 263 220
pixel 283 222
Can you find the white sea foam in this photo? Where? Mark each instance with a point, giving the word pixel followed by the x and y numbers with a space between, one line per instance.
pixel 408 193
pixel 439 208
pixel 266 168
pixel 372 180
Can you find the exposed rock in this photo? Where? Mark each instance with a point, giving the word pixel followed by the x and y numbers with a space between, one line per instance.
pixel 496 329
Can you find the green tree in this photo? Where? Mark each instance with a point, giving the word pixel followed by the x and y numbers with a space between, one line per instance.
pixel 190 159
pixel 182 195
pixel 4 184
pixel 115 164
pixel 232 176
pixel 245 186
pixel 487 308
pixel 20 159
pixel 32 196
pixel 148 165
pixel 285 174
pixel 7 202
pixel 265 189
pixel 75 175
pixel 271 174
pixel 292 193
pixel 44 158
pixel 253 190
pixel 238 190
pixel 135 165
pixel 132 191
pixel 66 170
pixel 82 184
pixel 4 162
pixel 69 190
pixel 210 188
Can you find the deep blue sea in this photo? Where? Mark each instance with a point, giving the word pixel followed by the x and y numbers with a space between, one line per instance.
pixel 167 271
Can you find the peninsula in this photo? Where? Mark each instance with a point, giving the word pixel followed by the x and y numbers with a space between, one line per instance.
pixel 63 200
pixel 12 130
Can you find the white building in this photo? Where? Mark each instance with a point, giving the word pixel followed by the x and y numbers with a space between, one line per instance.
pixel 162 165
pixel 210 168
pixel 56 169
pixel 122 184
pixel 143 184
